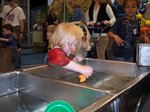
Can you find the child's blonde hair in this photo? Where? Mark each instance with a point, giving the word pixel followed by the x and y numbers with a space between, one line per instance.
pixel 51 28
pixel 66 33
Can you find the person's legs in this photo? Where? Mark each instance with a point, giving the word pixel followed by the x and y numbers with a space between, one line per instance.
pixel 18 61
pixel 122 59
pixel 16 31
pixel 109 49
pixel 118 58
pixel 101 47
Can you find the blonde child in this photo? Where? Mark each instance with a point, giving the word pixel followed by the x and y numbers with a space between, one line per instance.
pixel 66 40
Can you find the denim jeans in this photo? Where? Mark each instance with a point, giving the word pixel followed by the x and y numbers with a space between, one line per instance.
pixel 125 59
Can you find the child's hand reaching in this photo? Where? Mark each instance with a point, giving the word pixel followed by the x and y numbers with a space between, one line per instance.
pixel 78 58
pixel 118 40
pixel 86 70
pixel 145 38
pixel 83 69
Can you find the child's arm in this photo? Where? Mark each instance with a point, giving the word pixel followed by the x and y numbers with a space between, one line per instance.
pixel 145 37
pixel 83 69
pixel 19 50
pixel 4 39
pixel 116 38
pixel 58 57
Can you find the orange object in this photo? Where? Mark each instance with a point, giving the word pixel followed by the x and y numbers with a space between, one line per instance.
pixel 82 78
pixel 144 29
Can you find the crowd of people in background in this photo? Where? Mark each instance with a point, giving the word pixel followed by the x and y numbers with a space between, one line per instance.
pixel 123 32
pixel 78 12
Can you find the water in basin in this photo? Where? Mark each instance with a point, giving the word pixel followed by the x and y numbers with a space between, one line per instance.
pixel 101 81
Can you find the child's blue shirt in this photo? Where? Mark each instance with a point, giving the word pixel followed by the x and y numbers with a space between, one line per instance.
pixel 127 30
pixel 12 42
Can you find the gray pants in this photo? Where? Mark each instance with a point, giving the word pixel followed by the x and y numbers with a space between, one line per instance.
pixel 101 47
pixel 109 49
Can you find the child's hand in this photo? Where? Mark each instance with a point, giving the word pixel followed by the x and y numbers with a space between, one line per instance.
pixel 146 39
pixel 86 70
pixel 78 58
pixel 88 48
pixel 19 50
pixel 118 40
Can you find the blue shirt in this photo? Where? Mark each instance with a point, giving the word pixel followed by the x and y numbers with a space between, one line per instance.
pixel 12 42
pixel 127 30
pixel 78 15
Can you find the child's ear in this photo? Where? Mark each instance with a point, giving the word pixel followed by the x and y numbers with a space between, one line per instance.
pixel 83 38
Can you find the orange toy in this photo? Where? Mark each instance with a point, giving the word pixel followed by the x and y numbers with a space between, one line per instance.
pixel 82 78
pixel 144 29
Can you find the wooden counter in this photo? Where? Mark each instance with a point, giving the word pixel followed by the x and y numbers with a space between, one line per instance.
pixel 6 60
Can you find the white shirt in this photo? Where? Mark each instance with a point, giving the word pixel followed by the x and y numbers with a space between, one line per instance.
pixel 110 15
pixel 14 17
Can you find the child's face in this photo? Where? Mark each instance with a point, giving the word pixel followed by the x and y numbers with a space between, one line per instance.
pixel 130 8
pixel 49 34
pixel 5 31
pixel 71 49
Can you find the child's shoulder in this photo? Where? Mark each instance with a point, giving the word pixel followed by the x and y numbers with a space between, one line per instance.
pixel 10 35
pixel 121 18
pixel 56 50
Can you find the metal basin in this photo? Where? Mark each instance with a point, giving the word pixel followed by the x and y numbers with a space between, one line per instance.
pixel 108 76
pixel 20 92
pixel 32 89
pixel 120 80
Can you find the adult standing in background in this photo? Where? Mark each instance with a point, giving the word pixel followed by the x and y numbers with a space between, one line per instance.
pixel 51 19
pixel 14 15
pixel 78 13
pixel 100 11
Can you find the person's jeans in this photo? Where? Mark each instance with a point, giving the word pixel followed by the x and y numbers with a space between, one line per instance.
pixel 127 59
pixel 17 60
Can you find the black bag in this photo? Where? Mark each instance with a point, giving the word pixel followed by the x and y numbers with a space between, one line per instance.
pixel 92 53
